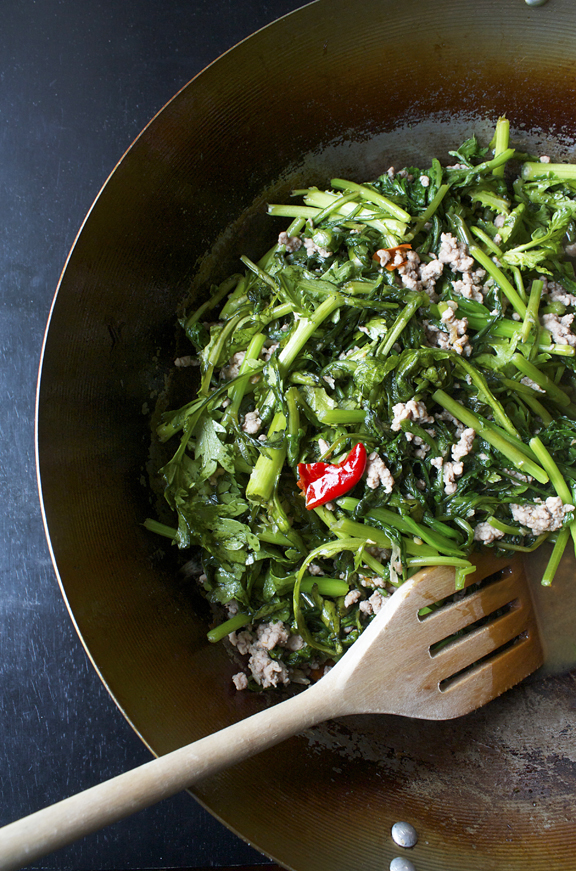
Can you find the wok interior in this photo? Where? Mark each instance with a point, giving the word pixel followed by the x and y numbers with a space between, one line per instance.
pixel 337 88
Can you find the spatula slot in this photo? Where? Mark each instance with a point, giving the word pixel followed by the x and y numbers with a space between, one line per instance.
pixel 465 674
pixel 473 586
pixel 464 623
pixel 472 647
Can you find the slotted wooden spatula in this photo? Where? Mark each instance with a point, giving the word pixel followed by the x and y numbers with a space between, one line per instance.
pixel 428 654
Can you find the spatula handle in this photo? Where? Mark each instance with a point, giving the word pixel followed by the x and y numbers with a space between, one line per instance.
pixel 26 840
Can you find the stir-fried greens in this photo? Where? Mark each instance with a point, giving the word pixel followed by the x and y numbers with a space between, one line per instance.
pixel 412 338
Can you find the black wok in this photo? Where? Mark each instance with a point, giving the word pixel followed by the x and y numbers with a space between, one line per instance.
pixel 337 88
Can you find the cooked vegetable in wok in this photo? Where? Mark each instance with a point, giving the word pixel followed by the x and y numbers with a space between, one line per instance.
pixel 390 387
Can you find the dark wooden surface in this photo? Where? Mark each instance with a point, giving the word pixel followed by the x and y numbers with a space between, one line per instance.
pixel 78 82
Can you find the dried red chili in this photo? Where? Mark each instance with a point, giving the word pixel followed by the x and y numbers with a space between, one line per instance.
pixel 392 261
pixel 322 482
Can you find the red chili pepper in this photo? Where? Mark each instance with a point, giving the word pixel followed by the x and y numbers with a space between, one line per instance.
pixel 392 251
pixel 322 482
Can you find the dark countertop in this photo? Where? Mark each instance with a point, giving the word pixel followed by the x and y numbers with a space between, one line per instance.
pixel 78 82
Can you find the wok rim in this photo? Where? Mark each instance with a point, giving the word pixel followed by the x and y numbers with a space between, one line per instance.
pixel 38 448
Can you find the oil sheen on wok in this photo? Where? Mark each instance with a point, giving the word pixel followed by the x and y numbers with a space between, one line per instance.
pixel 390 387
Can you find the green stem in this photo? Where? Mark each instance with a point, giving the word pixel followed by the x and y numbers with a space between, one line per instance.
pixel 341 416
pixel 556 478
pixel 501 140
pixel 489 434
pixel 541 379
pixel 555 557
pixel 538 409
pixel 496 273
pixel 423 561
pixel 554 473
pixel 372 196
pixel 268 465
pixel 329 548
pixel 519 281
pixel 259 272
pixel 223 290
pixel 401 322
pixel 429 212
pixel 334 206
pixel 506 328
pixel 232 625
pixel 333 587
pixel 370 534
pixel 524 548
pixel 238 389
pixel 160 528
pixel 406 525
pixel 487 240
pixel 306 329
pixel 526 394
pixel 499 160
pixel 367 558
pixel 532 170
pixel 504 527
pixel 227 330
pixel 531 317
pixel 488 264
pixel 486 395
pixel 278 210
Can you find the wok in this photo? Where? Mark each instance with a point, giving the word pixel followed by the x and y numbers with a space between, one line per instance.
pixel 336 88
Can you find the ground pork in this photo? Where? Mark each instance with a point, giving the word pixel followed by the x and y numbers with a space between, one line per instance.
pixel 412 410
pixel 271 634
pixel 559 328
pixel 232 369
pixel 378 473
pixel 470 285
pixel 351 598
pixel 185 362
pixel 242 641
pixel 555 291
pixel 449 418
pixel 486 533
pixel 313 248
pixel 291 243
pixel 266 671
pixel 451 471
pixel 382 554
pixel 240 681
pixel 457 257
pixel 418 276
pixel 455 254
pixel 371 582
pixel 373 604
pixel 541 516
pixel 455 338
pixel 464 446
pixel 251 423
pixel 267 351
pixel 414 274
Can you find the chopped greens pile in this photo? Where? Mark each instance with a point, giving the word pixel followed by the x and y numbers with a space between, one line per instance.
pixel 413 333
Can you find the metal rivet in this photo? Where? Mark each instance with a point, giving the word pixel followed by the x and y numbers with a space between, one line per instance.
pixel 399 864
pixel 535 2
pixel 404 834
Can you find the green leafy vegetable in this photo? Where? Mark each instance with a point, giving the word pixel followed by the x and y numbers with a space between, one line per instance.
pixel 426 314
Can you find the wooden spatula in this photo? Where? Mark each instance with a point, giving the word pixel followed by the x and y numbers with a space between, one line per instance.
pixel 428 654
